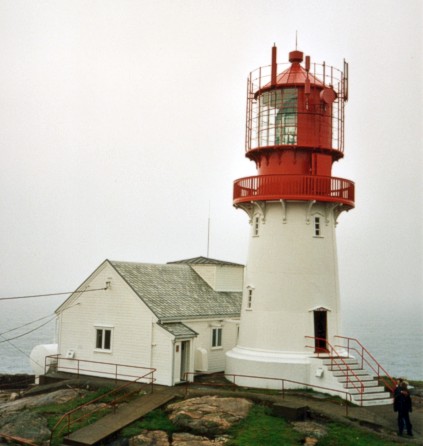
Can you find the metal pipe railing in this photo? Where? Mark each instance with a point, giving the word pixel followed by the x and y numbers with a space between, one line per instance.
pixel 337 360
pixel 17 440
pixel 302 187
pixel 347 395
pixel 103 370
pixel 389 382
pixel 66 420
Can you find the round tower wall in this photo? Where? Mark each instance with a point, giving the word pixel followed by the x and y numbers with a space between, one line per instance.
pixel 286 289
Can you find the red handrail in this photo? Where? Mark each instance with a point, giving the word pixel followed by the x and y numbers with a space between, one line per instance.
pixel 282 381
pixel 294 187
pixel 75 367
pixel 18 440
pixel 334 357
pixel 389 382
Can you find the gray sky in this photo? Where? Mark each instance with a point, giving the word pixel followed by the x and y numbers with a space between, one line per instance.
pixel 123 121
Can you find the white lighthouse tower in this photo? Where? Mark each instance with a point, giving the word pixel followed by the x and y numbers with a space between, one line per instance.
pixel 294 134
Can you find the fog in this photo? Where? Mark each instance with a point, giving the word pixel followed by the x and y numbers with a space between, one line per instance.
pixel 122 130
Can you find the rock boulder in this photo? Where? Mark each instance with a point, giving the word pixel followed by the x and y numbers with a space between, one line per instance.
pixel 25 424
pixel 208 415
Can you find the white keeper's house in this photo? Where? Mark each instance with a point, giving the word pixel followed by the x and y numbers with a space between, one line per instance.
pixel 177 317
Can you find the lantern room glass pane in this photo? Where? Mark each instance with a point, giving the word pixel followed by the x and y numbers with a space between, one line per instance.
pixel 286 119
pixel 277 123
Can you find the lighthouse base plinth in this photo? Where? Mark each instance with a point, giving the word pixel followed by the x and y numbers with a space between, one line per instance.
pixel 267 369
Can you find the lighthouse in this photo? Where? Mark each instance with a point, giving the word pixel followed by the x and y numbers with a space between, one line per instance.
pixel 291 303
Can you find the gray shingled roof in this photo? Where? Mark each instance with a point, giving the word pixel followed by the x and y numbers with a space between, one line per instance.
pixel 204 261
pixel 179 330
pixel 175 291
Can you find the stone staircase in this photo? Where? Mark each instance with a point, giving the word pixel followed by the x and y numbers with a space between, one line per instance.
pixel 363 388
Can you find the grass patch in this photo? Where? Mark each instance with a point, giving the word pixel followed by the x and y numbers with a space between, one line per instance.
pixel 349 436
pixel 53 412
pixel 154 420
pixel 260 428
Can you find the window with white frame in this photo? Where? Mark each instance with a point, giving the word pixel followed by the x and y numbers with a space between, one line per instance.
pixel 256 225
pixel 317 227
pixel 217 337
pixel 103 339
pixel 249 298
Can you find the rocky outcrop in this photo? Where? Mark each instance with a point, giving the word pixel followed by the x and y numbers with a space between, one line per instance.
pixel 312 431
pixel 150 438
pixel 57 397
pixel 160 438
pixel 185 439
pixel 208 415
pixel 25 424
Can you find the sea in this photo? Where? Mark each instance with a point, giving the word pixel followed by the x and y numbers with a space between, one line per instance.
pixel 396 341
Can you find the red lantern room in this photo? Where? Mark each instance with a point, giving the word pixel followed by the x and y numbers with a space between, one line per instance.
pixel 294 132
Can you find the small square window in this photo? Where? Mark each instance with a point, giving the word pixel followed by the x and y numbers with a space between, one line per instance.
pixel 317 228
pixel 256 225
pixel 250 299
pixel 217 337
pixel 103 339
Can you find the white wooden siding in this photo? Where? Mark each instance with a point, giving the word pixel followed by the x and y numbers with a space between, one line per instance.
pixel 229 278
pixel 162 356
pixel 119 308
pixel 221 277
pixel 216 356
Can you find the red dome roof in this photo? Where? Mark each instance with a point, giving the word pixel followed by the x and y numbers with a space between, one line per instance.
pixel 295 75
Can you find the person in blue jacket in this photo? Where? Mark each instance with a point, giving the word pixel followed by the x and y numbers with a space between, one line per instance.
pixel 403 405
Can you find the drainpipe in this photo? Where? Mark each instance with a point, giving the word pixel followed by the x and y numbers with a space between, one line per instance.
pixel 173 363
pixel 152 345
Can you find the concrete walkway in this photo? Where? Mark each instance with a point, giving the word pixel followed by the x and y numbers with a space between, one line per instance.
pixel 122 417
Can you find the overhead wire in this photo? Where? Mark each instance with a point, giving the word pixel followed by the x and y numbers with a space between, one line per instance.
pixel 8 340
pixel 24 325
pixel 51 294
pixel 26 333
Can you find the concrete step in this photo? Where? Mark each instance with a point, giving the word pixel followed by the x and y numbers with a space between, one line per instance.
pixel 341 366
pixel 371 396
pixel 367 390
pixel 352 377
pixel 366 383
pixel 336 359
pixel 359 372
pixel 378 402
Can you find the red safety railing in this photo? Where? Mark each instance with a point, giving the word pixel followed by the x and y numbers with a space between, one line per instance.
pixel 17 440
pixel 294 187
pixel 338 362
pixel 74 416
pixel 367 359
pixel 100 369
pixel 282 381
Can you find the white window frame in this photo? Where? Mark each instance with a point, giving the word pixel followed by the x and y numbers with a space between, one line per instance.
pixel 317 226
pixel 105 347
pixel 249 298
pixel 217 336
pixel 256 226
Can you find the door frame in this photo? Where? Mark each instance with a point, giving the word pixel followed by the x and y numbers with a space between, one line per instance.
pixel 320 321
